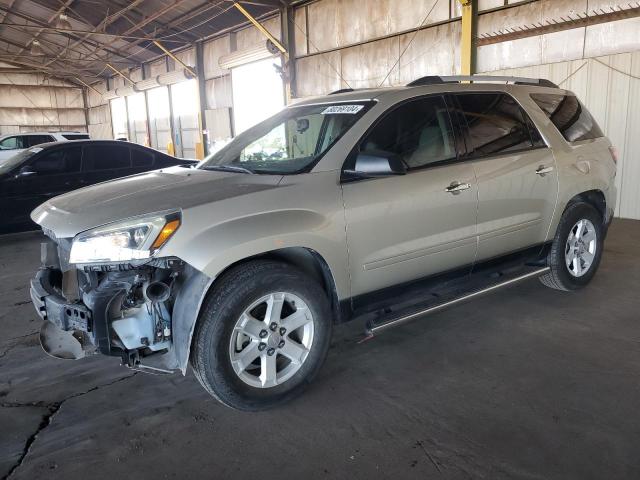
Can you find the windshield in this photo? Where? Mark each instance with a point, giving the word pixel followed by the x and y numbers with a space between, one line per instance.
pixel 292 141
pixel 17 159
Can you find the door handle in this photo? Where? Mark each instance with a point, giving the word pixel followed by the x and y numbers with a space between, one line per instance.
pixel 457 187
pixel 542 170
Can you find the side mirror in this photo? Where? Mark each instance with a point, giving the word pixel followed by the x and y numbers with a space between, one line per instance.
pixel 376 164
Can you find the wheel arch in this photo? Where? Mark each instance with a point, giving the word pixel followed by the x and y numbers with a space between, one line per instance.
pixel 306 259
pixel 596 198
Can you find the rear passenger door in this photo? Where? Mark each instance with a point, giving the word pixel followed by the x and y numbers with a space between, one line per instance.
pixel 516 172
pixel 406 227
pixel 102 162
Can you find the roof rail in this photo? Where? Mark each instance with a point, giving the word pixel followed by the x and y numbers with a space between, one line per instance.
pixel 429 80
pixel 342 90
pixel 435 80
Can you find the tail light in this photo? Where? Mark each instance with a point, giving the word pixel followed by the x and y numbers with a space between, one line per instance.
pixel 614 154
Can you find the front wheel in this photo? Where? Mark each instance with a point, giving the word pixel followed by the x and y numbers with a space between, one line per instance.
pixel 262 336
pixel 577 248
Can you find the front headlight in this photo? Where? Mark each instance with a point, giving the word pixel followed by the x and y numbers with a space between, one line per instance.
pixel 132 239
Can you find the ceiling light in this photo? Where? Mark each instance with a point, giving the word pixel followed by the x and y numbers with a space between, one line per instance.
pixel 63 22
pixel 36 48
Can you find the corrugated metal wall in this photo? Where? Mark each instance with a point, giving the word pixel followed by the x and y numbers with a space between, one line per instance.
pixel 30 102
pixel 610 87
pixel 356 43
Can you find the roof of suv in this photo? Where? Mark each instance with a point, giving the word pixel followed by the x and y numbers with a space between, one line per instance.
pixel 434 85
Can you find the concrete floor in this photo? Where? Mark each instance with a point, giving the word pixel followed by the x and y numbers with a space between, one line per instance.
pixel 527 383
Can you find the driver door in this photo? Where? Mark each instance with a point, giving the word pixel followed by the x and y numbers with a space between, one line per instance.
pixel 403 228
pixel 46 175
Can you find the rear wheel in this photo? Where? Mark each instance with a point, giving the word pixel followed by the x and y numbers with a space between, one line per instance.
pixel 262 336
pixel 577 248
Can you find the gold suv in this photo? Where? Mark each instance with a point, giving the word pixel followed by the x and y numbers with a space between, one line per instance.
pixel 380 205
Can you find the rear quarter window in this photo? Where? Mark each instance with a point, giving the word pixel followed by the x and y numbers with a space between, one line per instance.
pixel 141 158
pixel 569 115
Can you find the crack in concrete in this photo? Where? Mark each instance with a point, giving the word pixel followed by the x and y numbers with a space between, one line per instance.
pixel 23 336
pixel 8 349
pixel 14 345
pixel 54 408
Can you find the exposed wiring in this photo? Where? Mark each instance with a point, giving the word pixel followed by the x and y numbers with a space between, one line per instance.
pixel 615 69
pixel 415 34
pixel 321 56
pixel 574 72
pixel 199 24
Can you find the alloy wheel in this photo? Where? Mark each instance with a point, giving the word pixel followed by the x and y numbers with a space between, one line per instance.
pixel 271 340
pixel 580 249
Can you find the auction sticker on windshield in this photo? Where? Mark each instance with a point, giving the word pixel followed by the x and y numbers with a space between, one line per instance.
pixel 350 109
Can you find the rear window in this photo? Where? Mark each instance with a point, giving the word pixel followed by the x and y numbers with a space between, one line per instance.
pixel 572 119
pixel 76 136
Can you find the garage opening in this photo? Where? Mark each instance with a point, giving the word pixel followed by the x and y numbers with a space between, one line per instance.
pixel 185 106
pixel 258 92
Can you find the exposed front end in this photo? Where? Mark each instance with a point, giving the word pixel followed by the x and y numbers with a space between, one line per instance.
pixel 116 306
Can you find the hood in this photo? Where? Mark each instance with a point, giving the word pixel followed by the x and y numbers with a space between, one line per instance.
pixel 157 191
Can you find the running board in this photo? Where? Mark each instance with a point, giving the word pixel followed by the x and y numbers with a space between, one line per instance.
pixel 373 328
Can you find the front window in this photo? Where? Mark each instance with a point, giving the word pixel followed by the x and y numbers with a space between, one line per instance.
pixel 18 160
pixel 292 141
pixel 12 143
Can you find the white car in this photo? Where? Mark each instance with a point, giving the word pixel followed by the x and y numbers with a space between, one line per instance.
pixel 16 142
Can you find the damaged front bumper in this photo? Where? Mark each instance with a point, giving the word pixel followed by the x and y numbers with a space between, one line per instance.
pixel 144 313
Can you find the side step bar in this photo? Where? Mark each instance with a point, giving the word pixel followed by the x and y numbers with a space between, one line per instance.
pixel 373 328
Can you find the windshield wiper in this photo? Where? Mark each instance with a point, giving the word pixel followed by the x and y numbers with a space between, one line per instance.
pixel 228 168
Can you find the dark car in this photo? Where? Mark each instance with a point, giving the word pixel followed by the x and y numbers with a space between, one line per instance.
pixel 35 175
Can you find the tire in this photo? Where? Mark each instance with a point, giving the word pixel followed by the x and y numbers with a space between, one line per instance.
pixel 223 342
pixel 568 273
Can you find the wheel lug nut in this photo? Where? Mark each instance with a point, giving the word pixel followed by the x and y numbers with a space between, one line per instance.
pixel 262 346
pixel 271 351
pixel 281 344
pixel 273 326
pixel 283 330
pixel 263 333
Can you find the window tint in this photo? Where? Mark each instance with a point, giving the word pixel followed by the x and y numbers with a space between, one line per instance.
pixel 141 158
pixel 496 123
pixel 62 160
pixel 105 157
pixel 76 136
pixel 420 132
pixel 572 119
pixel 12 143
pixel 33 140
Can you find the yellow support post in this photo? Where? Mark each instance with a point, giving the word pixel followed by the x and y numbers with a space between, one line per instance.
pixel 467 45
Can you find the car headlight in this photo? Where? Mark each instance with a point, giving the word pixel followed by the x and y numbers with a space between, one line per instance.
pixel 133 239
